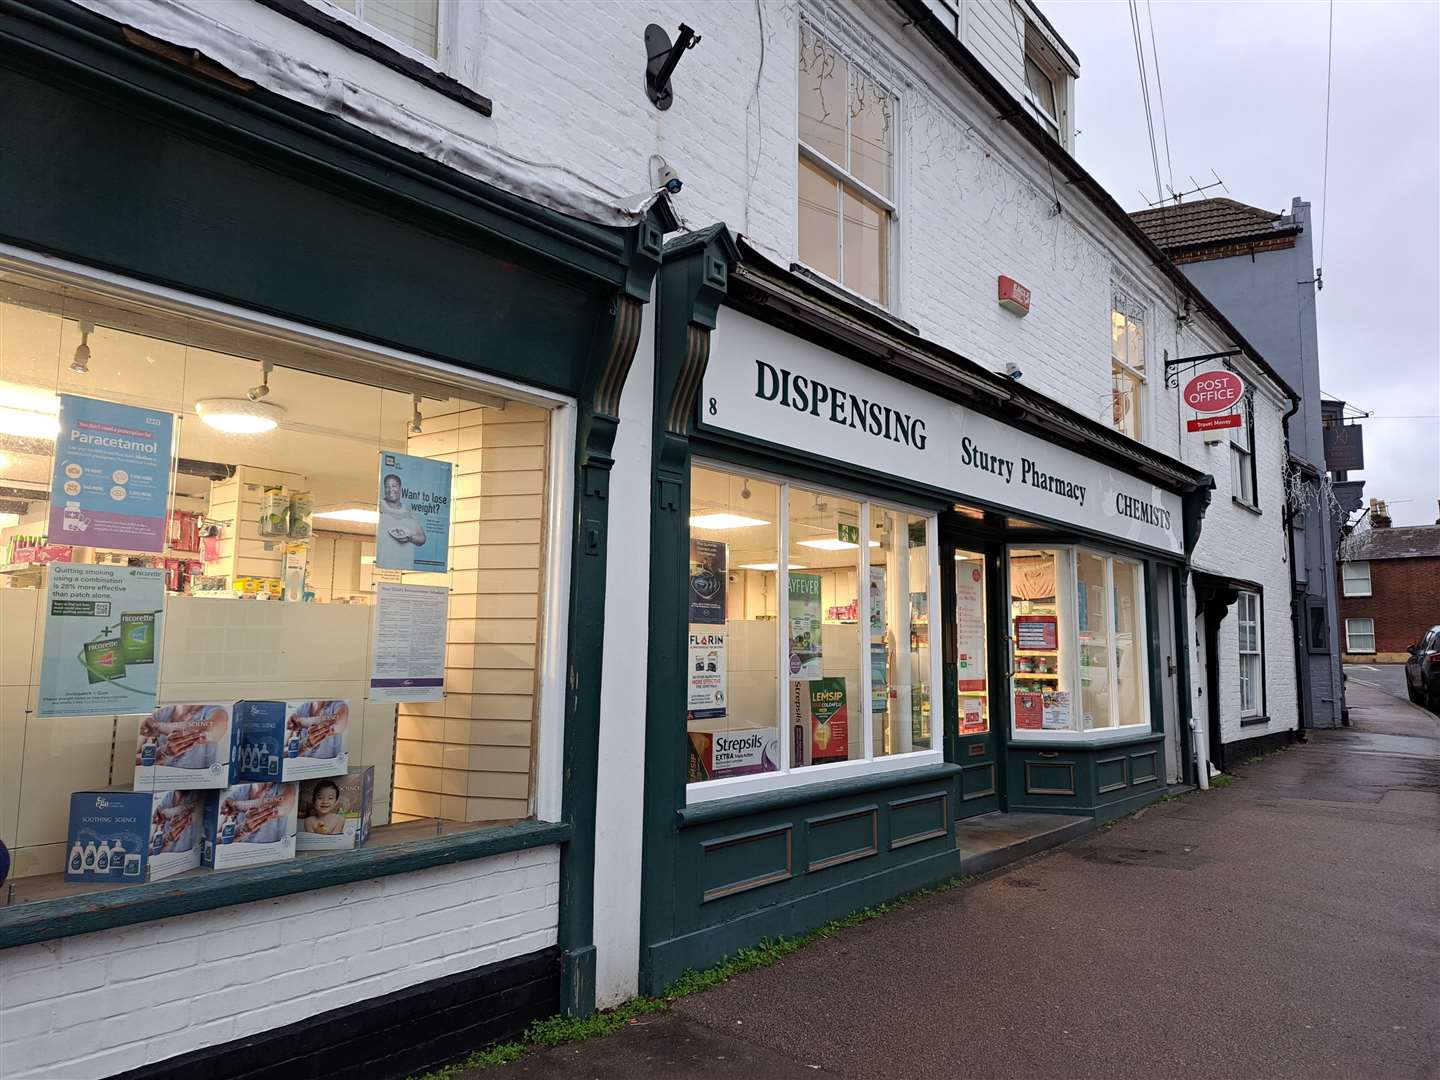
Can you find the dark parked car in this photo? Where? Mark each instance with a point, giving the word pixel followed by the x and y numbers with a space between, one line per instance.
pixel 1422 670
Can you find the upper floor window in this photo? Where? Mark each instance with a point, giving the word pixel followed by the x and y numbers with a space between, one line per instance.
pixel 847 166
pixel 1242 455
pixel 1045 82
pixel 1356 578
pixel 412 23
pixel 1127 365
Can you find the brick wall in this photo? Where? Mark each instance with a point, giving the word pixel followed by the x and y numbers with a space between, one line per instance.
pixel 102 1003
pixel 1404 601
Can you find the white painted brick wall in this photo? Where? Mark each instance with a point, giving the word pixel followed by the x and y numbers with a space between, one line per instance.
pixel 101 1003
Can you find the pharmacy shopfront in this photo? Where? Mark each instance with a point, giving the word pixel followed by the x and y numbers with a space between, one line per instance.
pixel 296 433
pixel 890 591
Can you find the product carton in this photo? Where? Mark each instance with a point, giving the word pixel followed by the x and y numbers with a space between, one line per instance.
pixel 132 836
pixel 292 740
pixel 185 748
pixel 249 824
pixel 335 811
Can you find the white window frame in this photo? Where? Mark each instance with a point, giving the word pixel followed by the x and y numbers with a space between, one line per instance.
pixel 1242 457
pixel 788 776
pixel 1132 311
pixel 1256 680
pixel 890 204
pixel 1349 584
pixel 1059 79
pixel 1351 629
pixel 1069 640
pixel 445 33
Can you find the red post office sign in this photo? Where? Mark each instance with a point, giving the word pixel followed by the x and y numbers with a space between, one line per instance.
pixel 1214 391
pixel 1014 296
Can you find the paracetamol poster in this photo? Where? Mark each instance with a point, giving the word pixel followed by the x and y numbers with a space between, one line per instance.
pixel 110 486
pixel 414 528
pixel 102 639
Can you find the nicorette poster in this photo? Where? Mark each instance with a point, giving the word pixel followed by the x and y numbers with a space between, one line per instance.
pixel 110 486
pixel 709 561
pixel 707 673
pixel 102 636
pixel 414 528
pixel 806 653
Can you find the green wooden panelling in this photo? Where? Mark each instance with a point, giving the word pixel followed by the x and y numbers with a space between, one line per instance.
pixel 1111 774
pixel 919 818
pixel 977 781
pixel 836 839
pixel 744 861
pixel 1050 778
pixel 1145 768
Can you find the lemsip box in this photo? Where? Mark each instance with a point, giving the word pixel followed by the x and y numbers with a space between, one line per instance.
pixel 132 836
pixel 292 740
pixel 185 748
pixel 335 811
pixel 249 824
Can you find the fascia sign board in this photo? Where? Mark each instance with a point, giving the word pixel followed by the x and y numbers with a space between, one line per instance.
pixel 765 384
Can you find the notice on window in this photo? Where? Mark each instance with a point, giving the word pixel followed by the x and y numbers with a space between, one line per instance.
pixel 414 528
pixel 407 655
pixel 820 721
pixel 806 652
pixel 879 678
pixel 111 481
pixel 102 639
pixel 1029 711
pixel 972 716
pixel 1036 632
pixel 708 566
pixel 733 753
pixel 1056 710
pixel 877 601
pixel 707 673
pixel 970 626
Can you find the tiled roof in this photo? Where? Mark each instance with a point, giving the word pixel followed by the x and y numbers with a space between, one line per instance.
pixel 1395 542
pixel 1208 221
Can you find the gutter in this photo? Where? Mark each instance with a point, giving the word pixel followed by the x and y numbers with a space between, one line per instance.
pixel 917 13
pixel 1297 621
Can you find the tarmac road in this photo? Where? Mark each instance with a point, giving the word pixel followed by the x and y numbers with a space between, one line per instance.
pixel 1387 677
pixel 1285 926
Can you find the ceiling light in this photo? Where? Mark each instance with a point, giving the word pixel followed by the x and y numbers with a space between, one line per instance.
pixel 724 521
pixel 7 520
pixel 6 461
pixel 772 566
pixel 352 513
pixel 239 416
pixel 831 543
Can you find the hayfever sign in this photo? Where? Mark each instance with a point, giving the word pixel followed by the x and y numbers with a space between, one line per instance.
pixel 768 385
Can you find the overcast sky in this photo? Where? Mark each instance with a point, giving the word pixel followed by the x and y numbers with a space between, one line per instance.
pixel 1244 87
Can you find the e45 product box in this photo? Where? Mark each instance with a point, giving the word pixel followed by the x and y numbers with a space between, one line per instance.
pixel 335 811
pixel 249 824
pixel 132 836
pixel 185 748
pixel 292 740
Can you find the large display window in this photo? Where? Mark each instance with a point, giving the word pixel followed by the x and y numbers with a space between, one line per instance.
pixel 262 596
pixel 1077 644
pixel 819 663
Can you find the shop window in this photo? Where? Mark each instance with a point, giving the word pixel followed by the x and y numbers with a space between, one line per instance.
pixel 1360 635
pixel 412 23
pixel 1242 455
pixel 846 169
pixel 1078 643
pixel 971 652
pixel 1127 366
pixel 1355 579
pixel 793 667
pixel 1248 622
pixel 270 590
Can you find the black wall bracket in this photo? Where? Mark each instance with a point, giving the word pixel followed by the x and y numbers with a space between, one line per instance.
pixel 1172 376
pixel 662 60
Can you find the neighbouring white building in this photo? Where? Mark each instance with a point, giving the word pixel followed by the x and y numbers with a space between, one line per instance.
pixel 841 328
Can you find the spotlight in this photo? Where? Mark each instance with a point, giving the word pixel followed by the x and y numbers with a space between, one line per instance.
pixel 415 428
pixel 80 365
pixel 255 393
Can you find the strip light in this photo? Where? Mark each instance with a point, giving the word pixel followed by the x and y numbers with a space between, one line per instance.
pixel 724 521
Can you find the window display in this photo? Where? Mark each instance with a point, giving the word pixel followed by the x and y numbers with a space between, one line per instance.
pixel 1077 642
pixel 795 665
pixel 199 520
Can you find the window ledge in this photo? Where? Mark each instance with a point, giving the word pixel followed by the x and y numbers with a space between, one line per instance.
pixel 1088 742
pixel 1253 721
pixel 125 905
pixel 358 41
pixel 1246 506
pixel 756 802
pixel 850 296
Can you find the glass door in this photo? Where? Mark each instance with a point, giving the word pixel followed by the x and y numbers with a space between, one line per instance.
pixel 977 743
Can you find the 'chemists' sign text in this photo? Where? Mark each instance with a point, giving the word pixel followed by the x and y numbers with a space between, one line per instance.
pixel 768 385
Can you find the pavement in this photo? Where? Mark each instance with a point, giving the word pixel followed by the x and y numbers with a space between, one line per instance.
pixel 1287 925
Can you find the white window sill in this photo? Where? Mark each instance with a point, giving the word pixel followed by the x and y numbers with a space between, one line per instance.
pixel 733 786
pixel 1097 735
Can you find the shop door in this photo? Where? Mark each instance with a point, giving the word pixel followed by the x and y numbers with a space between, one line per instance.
pixel 977 743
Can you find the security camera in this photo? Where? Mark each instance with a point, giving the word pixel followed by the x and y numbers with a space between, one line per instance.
pixel 663 175
pixel 1012 370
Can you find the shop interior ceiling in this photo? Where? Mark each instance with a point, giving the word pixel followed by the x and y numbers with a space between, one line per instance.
pixel 330 432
